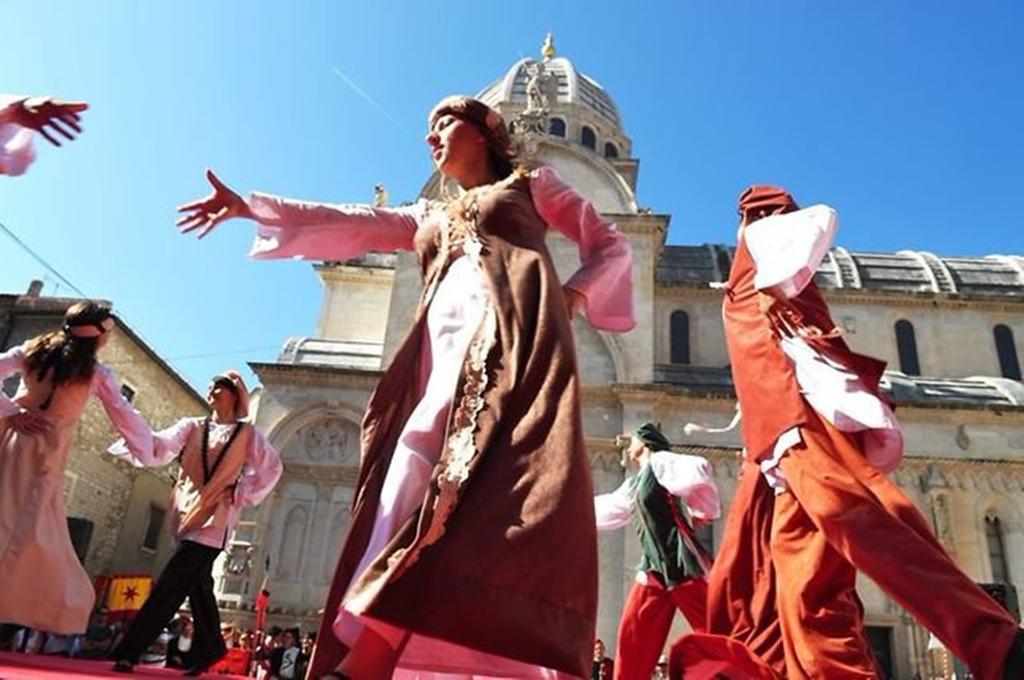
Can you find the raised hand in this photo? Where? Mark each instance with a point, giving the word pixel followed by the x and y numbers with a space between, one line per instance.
pixel 49 117
pixel 208 212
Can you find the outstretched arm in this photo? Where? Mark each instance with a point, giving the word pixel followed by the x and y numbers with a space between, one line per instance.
pixel 297 229
pixel 613 510
pixel 49 117
pixel 139 445
pixel 138 440
pixel 604 281
pixel 21 118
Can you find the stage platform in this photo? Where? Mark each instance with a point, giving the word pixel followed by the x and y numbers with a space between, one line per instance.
pixel 38 667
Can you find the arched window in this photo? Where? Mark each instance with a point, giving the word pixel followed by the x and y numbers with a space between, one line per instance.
pixel 556 127
pixel 1009 365
pixel 339 527
pixel 610 150
pixel 588 138
pixel 906 345
pixel 679 337
pixel 293 540
pixel 996 549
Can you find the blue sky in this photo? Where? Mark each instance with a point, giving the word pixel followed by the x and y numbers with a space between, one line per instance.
pixel 905 115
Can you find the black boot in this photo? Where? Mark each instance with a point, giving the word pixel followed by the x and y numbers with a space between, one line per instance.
pixel 123 666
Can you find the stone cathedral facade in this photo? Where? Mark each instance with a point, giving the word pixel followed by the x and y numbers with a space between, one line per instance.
pixel 950 328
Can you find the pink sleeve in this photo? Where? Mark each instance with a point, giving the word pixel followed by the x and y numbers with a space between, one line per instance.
pixel 16 152
pixel 165 447
pixel 614 510
pixel 787 249
pixel 320 231
pixel 137 436
pixel 605 276
pixel 259 476
pixel 690 478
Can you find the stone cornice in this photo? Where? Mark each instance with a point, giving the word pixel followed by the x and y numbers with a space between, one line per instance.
pixel 957 473
pixel 315 376
pixel 604 395
pixel 868 297
pixel 673 395
pixel 992 414
pixel 359 274
pixel 641 223
pixel 320 473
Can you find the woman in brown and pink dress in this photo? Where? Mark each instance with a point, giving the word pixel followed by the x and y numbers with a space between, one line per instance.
pixel 472 549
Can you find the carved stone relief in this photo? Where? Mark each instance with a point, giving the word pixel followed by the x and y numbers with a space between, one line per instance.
pixel 943 519
pixel 332 441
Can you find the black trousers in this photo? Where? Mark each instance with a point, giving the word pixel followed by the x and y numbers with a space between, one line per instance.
pixel 189 573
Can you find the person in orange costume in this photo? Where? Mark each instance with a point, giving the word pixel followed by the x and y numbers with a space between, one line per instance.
pixel 823 447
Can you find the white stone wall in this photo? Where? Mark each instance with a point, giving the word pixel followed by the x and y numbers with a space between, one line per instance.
pixel 355 303
pixel 954 338
pixel 312 417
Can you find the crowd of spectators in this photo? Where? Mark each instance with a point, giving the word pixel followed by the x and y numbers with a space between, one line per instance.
pixel 274 654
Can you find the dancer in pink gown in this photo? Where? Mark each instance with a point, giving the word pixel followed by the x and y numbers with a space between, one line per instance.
pixel 44 584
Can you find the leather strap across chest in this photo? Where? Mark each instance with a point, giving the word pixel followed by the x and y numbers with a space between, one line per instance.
pixel 204 447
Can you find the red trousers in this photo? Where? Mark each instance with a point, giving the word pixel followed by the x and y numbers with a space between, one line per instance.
pixel 646 620
pixel 841 515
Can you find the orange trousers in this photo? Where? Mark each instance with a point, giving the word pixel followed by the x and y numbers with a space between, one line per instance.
pixel 646 620
pixel 841 515
pixel 741 584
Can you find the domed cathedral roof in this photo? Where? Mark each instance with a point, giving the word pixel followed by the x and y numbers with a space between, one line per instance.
pixel 562 117
pixel 570 89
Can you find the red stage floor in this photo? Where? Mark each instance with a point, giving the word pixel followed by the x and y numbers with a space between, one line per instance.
pixel 36 667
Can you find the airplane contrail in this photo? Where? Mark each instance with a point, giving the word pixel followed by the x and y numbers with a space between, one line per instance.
pixel 370 100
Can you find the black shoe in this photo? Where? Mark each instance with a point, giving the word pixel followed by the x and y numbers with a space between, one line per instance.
pixel 1013 668
pixel 195 671
pixel 123 666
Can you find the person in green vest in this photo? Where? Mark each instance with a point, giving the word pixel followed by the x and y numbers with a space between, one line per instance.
pixel 668 496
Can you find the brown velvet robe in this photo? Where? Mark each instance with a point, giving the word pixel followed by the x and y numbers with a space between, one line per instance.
pixel 504 561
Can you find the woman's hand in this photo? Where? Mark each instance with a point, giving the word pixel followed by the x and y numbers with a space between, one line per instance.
pixel 207 213
pixel 27 422
pixel 41 113
pixel 574 301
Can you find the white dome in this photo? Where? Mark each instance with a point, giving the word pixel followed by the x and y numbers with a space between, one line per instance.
pixel 573 88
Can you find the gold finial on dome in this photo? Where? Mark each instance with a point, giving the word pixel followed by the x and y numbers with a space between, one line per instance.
pixel 548 50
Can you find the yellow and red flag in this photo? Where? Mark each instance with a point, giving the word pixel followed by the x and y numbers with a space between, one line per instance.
pixel 126 593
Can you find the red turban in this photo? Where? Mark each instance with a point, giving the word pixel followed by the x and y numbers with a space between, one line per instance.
pixel 762 200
